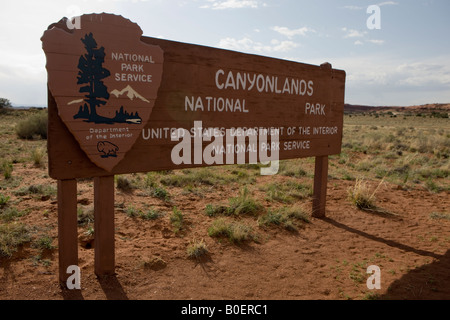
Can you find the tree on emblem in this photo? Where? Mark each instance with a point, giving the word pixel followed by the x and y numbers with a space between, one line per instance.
pixel 91 74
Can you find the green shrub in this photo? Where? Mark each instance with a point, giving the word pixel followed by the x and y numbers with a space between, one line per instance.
pixel 215 210
pixel 361 196
pixel 196 249
pixel 12 235
pixel 5 103
pixel 195 177
pixel 44 243
pixel 271 217
pixel 289 218
pixel 239 232
pixel 150 214
pixel 161 193
pixel 296 212
pixel 432 186
pixel 37 155
pixel 46 191
pixel 34 125
pixel 219 228
pixel 3 200
pixel 150 180
pixel 131 212
pixel 234 231
pixel 275 192
pixel 124 184
pixel 177 220
pixel 10 214
pixel 85 217
pixel 244 204
pixel 440 215
pixel 7 169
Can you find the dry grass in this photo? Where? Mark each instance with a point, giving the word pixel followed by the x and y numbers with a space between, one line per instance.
pixel 413 152
pixel 33 126
pixel 236 232
pixel 409 151
pixel 12 236
pixel 362 196
pixel 37 155
pixel 197 249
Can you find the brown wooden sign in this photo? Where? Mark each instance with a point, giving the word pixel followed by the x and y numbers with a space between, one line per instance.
pixel 119 103
pixel 216 89
pixel 105 81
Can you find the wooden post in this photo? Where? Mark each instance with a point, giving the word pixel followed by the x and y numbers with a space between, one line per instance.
pixel 67 227
pixel 320 186
pixel 104 225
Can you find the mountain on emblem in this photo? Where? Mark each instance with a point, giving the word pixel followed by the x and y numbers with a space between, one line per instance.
pixel 131 93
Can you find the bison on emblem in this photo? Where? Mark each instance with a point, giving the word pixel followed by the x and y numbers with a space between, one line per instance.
pixel 107 149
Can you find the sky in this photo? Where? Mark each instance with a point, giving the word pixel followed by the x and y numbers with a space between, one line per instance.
pixel 397 55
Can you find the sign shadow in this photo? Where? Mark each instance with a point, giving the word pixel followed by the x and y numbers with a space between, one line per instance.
pixel 427 282
pixel 68 294
pixel 388 242
pixel 112 288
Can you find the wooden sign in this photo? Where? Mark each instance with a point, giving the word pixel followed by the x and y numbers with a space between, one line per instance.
pixel 216 89
pixel 105 82
pixel 119 103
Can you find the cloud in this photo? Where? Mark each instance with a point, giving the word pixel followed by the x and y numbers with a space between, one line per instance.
pixel 382 79
pixel 388 3
pixel 386 80
pixel 385 3
pixel 290 33
pixel 243 44
pixel 379 42
pixel 23 76
pixel 352 33
pixel 248 45
pixel 230 4
pixel 280 46
pixel 23 85
pixel 425 73
pixel 353 7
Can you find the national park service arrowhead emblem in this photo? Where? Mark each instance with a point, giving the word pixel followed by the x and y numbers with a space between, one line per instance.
pixel 105 81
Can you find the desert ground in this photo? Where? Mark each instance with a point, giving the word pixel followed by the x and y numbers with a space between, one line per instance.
pixel 229 233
